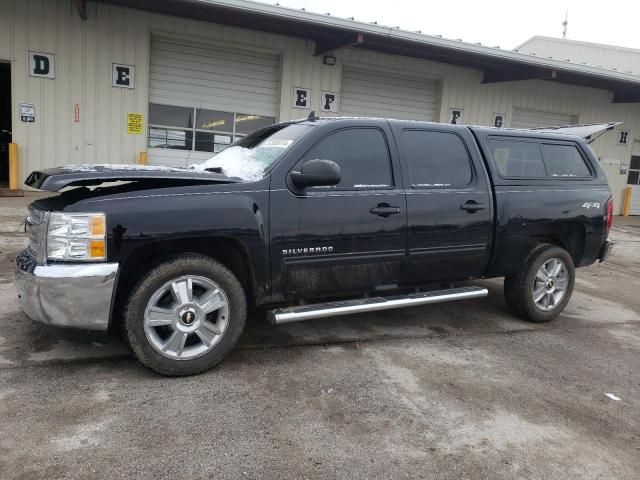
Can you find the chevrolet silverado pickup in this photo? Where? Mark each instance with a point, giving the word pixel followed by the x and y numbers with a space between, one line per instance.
pixel 310 219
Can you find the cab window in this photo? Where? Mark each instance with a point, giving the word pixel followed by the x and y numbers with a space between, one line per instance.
pixel 361 153
pixel 436 159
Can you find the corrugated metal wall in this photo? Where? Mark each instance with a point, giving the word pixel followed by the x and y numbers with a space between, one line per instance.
pixel 85 51
pixel 606 56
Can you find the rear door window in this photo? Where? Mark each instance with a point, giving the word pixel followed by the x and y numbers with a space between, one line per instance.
pixel 564 161
pixel 436 159
pixel 517 158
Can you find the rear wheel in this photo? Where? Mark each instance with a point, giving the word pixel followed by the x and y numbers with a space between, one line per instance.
pixel 541 290
pixel 185 316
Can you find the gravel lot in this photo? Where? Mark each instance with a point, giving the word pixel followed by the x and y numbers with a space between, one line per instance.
pixel 459 390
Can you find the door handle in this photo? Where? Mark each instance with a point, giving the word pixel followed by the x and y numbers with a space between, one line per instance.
pixel 385 210
pixel 472 206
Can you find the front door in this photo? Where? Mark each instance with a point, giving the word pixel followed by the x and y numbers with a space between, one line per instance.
pixel 449 203
pixel 342 240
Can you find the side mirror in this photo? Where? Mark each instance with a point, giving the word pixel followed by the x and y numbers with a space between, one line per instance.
pixel 317 173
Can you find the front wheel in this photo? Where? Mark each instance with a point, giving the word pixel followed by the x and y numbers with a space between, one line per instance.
pixel 542 288
pixel 185 316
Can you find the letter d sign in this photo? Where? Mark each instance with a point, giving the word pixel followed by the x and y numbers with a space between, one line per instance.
pixel 42 65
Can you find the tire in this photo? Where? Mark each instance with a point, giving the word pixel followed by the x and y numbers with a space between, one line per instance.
pixel 175 333
pixel 523 289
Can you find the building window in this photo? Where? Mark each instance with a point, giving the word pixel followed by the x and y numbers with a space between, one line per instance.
pixel 634 171
pixel 197 129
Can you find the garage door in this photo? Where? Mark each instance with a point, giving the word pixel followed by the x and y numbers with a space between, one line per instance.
pixel 523 118
pixel 370 93
pixel 634 180
pixel 202 97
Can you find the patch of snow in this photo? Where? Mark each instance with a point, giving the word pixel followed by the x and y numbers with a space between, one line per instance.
pixel 237 161
pixel 119 167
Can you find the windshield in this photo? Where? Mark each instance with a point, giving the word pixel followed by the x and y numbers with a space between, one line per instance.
pixel 252 156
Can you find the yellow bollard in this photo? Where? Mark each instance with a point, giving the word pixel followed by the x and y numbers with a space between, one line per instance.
pixel 627 201
pixel 142 160
pixel 13 166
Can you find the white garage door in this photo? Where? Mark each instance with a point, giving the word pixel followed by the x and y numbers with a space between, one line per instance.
pixel 634 180
pixel 370 93
pixel 203 97
pixel 523 118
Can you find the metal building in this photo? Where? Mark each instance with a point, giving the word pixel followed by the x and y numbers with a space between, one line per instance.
pixel 102 81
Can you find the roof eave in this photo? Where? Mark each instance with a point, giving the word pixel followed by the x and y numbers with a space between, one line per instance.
pixel 330 30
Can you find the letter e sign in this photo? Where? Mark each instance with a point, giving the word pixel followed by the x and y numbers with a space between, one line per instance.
pixel 301 97
pixel 42 65
pixel 123 76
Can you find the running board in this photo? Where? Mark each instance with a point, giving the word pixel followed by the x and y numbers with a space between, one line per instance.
pixel 373 304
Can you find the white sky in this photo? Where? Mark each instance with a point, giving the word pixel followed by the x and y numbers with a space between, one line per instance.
pixel 494 22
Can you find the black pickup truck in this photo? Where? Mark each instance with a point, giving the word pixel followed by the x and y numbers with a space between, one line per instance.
pixel 311 219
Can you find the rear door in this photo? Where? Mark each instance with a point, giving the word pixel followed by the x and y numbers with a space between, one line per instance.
pixel 449 202
pixel 344 239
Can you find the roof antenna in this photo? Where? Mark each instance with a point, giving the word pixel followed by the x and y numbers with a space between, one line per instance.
pixel 312 116
pixel 565 24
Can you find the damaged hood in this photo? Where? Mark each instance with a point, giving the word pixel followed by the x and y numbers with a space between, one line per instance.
pixel 55 179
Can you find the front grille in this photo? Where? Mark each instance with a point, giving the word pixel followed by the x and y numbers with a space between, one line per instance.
pixel 34 225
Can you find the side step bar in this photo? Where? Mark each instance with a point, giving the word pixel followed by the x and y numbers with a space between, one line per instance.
pixel 373 304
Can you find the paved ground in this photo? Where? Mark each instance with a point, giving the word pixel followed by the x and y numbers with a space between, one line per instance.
pixel 450 391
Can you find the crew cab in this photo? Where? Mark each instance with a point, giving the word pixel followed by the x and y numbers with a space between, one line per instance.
pixel 311 219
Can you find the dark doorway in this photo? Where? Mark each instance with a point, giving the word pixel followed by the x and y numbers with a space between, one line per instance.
pixel 5 121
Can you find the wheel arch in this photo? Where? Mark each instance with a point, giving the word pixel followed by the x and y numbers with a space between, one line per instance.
pixel 567 235
pixel 230 252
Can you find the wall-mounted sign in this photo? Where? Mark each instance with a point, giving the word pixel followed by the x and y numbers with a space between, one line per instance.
pixel 623 138
pixel 623 168
pixel 123 76
pixel 42 65
pixel 27 112
pixel 134 123
pixel 330 102
pixel 499 119
pixel 301 97
pixel 456 116
pixel 222 139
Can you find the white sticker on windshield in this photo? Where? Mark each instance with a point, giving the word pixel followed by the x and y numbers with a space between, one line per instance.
pixel 276 143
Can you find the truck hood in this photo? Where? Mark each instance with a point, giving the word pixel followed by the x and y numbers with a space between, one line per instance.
pixel 55 179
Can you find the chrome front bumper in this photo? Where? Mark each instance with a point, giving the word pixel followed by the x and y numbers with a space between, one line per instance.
pixel 65 295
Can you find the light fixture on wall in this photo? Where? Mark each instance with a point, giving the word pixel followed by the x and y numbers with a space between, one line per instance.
pixel 329 60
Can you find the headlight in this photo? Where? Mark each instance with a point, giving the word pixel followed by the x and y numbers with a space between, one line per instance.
pixel 77 236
